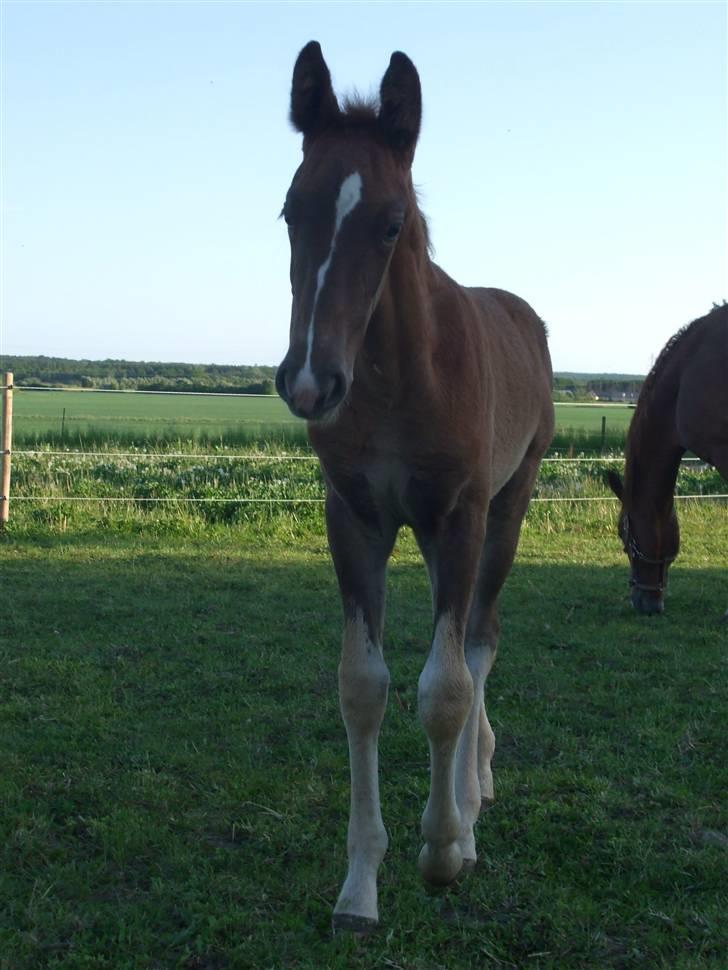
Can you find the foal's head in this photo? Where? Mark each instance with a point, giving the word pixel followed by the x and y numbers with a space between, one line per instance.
pixel 345 211
pixel 651 541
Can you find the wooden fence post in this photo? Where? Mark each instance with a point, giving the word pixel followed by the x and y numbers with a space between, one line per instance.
pixel 7 445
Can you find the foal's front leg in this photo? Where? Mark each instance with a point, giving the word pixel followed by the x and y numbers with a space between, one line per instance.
pixel 446 691
pixel 360 559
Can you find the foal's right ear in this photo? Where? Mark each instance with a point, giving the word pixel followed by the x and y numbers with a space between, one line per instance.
pixel 615 483
pixel 313 102
pixel 400 99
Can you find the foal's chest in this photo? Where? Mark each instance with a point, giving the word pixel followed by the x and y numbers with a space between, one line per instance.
pixel 396 489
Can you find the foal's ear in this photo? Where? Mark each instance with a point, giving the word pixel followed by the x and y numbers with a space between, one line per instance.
pixel 615 483
pixel 313 102
pixel 400 98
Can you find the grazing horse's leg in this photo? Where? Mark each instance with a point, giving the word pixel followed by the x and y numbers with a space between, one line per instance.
pixel 474 778
pixel 360 558
pixel 445 694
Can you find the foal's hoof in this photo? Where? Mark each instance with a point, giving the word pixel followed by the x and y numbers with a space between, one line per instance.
pixel 467 867
pixel 486 802
pixel 440 865
pixel 354 925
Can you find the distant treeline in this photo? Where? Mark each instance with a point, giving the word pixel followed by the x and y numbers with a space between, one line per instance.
pixel 602 387
pixel 244 379
pixel 126 375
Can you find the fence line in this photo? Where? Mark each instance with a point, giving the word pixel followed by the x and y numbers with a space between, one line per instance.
pixel 261 456
pixel 6 445
pixel 134 390
pixel 303 501
pixel 161 455
pixel 137 390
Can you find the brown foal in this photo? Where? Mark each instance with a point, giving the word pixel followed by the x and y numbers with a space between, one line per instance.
pixel 429 405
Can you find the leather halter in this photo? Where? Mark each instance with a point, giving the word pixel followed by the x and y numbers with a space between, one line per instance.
pixel 635 553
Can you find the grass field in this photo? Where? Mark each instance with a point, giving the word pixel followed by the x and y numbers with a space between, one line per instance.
pixel 140 417
pixel 175 782
pixel 128 418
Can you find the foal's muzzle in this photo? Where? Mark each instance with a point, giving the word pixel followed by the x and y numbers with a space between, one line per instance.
pixel 314 398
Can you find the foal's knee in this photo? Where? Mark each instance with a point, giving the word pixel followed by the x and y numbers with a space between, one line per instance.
pixel 445 690
pixel 363 677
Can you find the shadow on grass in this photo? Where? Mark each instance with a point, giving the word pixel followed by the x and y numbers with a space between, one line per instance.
pixel 176 785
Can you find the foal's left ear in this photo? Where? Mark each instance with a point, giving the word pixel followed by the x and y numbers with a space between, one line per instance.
pixel 400 98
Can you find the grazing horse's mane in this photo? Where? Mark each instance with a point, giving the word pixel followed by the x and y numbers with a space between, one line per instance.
pixel 673 345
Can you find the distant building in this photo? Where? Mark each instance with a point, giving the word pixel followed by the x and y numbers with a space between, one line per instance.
pixel 623 392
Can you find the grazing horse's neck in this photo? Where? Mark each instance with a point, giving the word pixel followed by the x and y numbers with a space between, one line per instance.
pixel 654 452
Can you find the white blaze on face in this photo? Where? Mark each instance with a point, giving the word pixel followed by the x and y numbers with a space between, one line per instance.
pixel 348 198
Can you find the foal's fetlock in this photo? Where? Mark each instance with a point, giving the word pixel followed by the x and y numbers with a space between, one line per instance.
pixel 487 790
pixel 440 865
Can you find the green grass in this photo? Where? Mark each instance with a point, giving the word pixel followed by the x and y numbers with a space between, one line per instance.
pixel 175 782
pixel 128 419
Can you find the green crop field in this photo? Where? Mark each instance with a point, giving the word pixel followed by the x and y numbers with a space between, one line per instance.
pixel 139 417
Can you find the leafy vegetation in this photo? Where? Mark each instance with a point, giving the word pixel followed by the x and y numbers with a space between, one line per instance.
pixel 261 486
pixel 139 375
pixel 605 387
pixel 256 379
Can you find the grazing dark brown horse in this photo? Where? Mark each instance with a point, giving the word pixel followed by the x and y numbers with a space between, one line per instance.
pixel 429 404
pixel 683 406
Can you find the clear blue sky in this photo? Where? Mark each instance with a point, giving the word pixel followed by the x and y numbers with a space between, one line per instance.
pixel 574 153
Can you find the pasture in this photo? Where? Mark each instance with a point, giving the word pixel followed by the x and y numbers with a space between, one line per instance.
pixel 95 418
pixel 175 783
pixel 175 791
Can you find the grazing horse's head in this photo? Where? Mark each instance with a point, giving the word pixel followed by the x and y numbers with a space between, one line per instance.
pixel 651 542
pixel 345 211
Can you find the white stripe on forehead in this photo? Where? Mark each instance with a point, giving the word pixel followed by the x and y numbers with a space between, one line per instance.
pixel 348 198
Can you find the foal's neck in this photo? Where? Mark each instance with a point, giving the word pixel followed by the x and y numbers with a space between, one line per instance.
pixel 401 330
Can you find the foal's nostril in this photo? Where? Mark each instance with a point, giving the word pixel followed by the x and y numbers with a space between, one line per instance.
pixel 334 390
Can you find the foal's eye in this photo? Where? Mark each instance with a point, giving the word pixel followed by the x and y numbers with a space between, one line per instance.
pixel 393 230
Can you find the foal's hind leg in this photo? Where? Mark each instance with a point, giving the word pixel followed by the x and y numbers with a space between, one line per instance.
pixel 474 778
pixel 360 559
